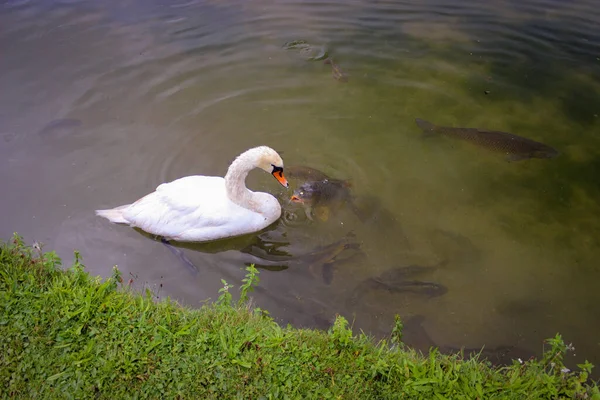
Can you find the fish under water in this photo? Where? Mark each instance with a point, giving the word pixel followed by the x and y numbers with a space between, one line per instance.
pixel 319 197
pixel 336 71
pixel 515 147
pixel 60 127
pixel 398 280
pixel 319 193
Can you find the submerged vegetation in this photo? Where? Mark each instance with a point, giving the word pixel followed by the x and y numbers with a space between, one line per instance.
pixel 65 334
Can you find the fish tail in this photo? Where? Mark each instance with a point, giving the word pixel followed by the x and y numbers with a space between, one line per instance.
pixel 427 127
pixel 114 215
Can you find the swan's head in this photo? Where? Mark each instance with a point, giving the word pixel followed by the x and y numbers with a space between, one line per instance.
pixel 269 160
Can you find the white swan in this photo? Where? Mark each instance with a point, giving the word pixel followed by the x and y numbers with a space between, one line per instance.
pixel 203 208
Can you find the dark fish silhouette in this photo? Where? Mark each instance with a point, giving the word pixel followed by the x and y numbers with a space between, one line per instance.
pixel 515 147
pixel 319 197
pixel 60 127
pixel 319 193
pixel 397 280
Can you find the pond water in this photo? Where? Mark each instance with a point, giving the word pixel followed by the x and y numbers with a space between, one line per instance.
pixel 102 101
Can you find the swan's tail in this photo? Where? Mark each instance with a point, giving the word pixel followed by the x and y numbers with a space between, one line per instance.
pixel 114 215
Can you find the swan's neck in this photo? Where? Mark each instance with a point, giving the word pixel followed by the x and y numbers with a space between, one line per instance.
pixel 235 183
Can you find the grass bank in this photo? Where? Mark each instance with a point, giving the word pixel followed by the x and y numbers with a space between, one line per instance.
pixel 65 334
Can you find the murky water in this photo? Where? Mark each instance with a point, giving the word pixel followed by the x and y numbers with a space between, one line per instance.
pixel 101 102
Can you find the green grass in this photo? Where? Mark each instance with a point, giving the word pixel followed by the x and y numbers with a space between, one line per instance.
pixel 65 334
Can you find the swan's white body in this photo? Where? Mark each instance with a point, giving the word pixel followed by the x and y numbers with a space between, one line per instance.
pixel 204 208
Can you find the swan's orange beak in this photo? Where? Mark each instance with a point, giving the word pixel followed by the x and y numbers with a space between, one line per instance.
pixel 278 174
pixel 296 199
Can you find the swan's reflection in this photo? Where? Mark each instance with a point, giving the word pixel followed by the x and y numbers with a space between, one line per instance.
pixel 269 244
pixel 272 250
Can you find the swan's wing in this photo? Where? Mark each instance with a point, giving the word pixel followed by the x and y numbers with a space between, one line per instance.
pixel 187 203
pixel 192 192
